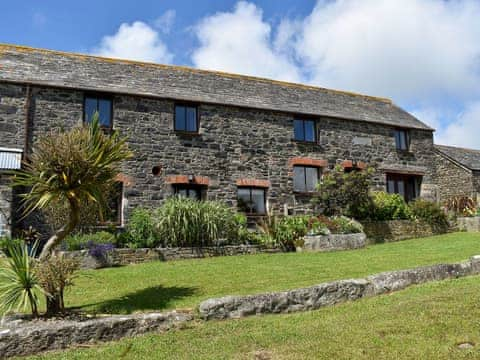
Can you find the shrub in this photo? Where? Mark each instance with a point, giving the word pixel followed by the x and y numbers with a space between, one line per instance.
pixel 346 225
pixel 187 222
pixel 5 242
pixel 461 206
pixel 344 193
pixel 141 231
pixel 101 252
pixel 389 207
pixel 429 212
pixel 81 241
pixel 285 232
pixel 54 275
pixel 323 225
pixel 19 285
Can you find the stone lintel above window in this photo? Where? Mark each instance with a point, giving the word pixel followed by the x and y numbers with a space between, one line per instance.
pixel 305 161
pixel 349 164
pixel 253 183
pixel 188 179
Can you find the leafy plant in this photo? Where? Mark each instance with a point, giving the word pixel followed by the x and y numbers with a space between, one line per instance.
pixel 19 284
pixel 346 225
pixel 389 207
pixel 461 206
pixel 5 243
pixel 429 212
pixel 71 170
pixel 141 230
pixel 54 275
pixel 187 222
pixel 342 192
pixel 286 231
pixel 81 241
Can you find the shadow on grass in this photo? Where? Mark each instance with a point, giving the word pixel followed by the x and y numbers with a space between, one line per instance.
pixel 152 298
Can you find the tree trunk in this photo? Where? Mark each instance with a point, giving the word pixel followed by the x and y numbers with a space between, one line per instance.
pixel 62 233
pixel 54 304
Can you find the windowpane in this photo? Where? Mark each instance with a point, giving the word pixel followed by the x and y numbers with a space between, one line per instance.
pixel 258 199
pixel 391 186
pixel 401 187
pixel 90 108
pixel 105 112
pixel 180 117
pixel 299 134
pixel 243 199
pixel 401 139
pixel 191 119
pixel 299 179
pixel 311 178
pixel 309 130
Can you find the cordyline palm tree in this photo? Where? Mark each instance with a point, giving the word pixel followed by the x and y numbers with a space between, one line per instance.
pixel 75 168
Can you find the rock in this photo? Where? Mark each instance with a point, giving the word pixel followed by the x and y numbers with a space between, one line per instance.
pixel 466 345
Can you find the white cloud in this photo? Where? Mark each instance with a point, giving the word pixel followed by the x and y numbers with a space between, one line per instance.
pixel 165 21
pixel 241 41
pixel 136 41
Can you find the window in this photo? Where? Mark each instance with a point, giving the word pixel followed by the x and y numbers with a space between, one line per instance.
pixel 101 105
pixel 186 118
pixel 304 130
pixel 251 200
pixel 305 178
pixel 113 213
pixel 188 191
pixel 402 140
pixel 406 185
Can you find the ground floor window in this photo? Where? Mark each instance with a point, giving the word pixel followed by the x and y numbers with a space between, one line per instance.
pixel 406 185
pixel 113 214
pixel 251 200
pixel 190 191
pixel 305 178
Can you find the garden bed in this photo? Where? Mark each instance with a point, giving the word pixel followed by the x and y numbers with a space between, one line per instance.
pixel 396 230
pixel 119 257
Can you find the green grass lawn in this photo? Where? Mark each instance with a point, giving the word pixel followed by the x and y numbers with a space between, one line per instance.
pixel 421 322
pixel 183 284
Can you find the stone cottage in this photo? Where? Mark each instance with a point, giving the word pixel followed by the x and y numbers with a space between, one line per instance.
pixel 458 172
pixel 257 144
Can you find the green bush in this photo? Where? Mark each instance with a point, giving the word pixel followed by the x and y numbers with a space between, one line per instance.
pixel 141 231
pixel 5 242
pixel 187 222
pixel 429 212
pixel 346 225
pixel 285 232
pixel 389 207
pixel 81 241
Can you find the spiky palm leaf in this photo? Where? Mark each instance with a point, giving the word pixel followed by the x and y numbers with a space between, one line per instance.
pixel 19 286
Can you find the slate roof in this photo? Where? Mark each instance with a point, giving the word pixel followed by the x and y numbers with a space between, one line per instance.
pixel 38 66
pixel 469 158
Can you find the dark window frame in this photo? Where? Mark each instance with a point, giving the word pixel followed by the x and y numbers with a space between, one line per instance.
pixel 303 120
pixel 264 199
pixel 98 96
pixel 319 176
pixel 120 200
pixel 197 117
pixel 410 182
pixel 190 187
pixel 398 143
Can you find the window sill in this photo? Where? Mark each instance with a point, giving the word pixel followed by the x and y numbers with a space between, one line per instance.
pixel 190 134
pixel 405 152
pixel 304 142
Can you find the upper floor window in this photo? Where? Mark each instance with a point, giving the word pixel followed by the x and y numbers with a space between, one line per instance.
pixel 305 178
pixel 304 130
pixel 186 118
pixel 402 139
pixel 251 200
pixel 100 105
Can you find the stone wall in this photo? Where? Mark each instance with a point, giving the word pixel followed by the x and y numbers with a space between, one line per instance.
pixel 334 242
pixel 233 143
pixel 395 230
pixel 20 337
pixel 6 200
pixel 332 293
pixel 453 180
pixel 469 224
pixel 118 257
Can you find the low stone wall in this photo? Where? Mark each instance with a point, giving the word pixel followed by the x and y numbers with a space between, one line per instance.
pixel 469 224
pixel 395 230
pixel 24 337
pixel 332 293
pixel 118 257
pixel 334 242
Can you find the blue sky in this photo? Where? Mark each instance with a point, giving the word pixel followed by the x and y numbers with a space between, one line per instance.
pixel 424 54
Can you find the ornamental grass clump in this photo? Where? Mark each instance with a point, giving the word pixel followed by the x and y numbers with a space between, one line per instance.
pixel 186 222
